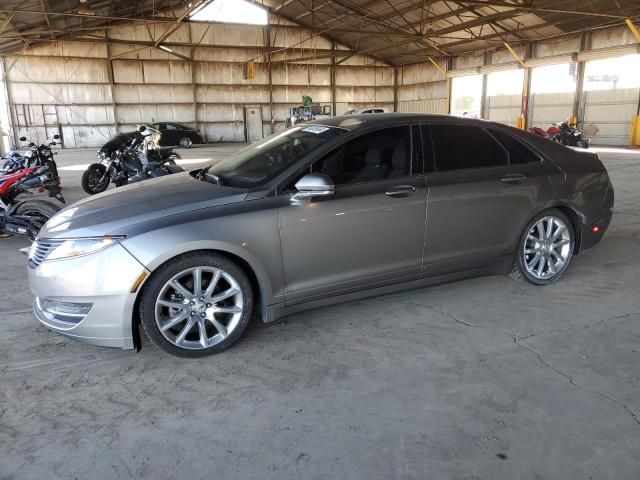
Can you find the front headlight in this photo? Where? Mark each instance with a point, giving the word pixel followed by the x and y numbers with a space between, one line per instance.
pixel 80 246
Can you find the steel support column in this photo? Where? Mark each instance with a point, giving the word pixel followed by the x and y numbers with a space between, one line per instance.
pixel 333 80
pixel 579 100
pixel 396 81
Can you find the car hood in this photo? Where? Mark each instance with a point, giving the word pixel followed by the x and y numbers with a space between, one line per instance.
pixel 118 208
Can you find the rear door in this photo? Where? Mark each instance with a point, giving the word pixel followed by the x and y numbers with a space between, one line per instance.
pixel 479 199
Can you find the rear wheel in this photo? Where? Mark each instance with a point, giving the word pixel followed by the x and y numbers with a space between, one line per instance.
pixel 94 179
pixel 39 212
pixel 545 248
pixel 196 305
pixel 185 142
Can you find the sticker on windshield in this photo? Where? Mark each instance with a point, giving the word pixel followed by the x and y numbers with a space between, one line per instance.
pixel 315 129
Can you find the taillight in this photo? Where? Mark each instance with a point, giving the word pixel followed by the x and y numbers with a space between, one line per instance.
pixel 198 131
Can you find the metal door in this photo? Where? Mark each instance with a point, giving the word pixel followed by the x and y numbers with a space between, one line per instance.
pixel 253 123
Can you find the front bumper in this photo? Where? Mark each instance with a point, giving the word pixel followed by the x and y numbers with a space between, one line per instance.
pixel 104 280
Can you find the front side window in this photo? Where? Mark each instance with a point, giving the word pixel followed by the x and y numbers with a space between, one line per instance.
pixel 381 155
pixel 459 147
pixel 262 161
pixel 519 153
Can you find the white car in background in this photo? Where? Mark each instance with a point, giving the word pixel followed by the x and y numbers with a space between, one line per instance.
pixel 358 111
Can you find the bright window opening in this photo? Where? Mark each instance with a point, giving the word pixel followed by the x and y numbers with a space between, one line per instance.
pixel 508 82
pixel 466 96
pixel 612 73
pixel 554 78
pixel 232 11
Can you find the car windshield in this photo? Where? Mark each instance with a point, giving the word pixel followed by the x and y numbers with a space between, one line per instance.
pixel 262 161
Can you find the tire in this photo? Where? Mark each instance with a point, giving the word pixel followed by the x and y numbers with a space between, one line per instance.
pixel 185 142
pixel 41 209
pixel 91 177
pixel 554 251
pixel 194 313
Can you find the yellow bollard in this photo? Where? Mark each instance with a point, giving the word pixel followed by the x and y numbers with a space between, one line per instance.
pixel 634 138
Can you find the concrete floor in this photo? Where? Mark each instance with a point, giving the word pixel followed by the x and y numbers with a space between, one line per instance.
pixel 482 379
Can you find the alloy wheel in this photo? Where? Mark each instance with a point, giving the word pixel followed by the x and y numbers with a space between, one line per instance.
pixel 185 142
pixel 547 248
pixel 199 307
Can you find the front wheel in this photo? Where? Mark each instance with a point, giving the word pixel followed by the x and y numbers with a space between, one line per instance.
pixel 197 304
pixel 95 179
pixel 545 248
pixel 185 142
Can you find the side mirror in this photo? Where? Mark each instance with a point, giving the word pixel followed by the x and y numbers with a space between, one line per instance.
pixel 313 185
pixel 142 128
pixel 23 139
pixel 56 136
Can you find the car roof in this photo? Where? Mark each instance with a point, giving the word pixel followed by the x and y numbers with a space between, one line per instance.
pixel 356 122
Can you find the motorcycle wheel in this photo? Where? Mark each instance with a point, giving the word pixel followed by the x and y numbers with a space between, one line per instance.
pixel 91 179
pixel 40 210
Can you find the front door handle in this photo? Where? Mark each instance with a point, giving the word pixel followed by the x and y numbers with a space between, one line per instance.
pixel 513 178
pixel 401 191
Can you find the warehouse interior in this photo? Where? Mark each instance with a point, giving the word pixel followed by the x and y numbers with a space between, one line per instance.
pixel 485 378
pixel 93 73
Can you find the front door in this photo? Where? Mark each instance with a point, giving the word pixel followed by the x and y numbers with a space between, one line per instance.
pixel 479 198
pixel 370 232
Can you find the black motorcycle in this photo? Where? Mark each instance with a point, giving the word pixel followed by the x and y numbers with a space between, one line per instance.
pixel 570 136
pixel 36 156
pixel 128 158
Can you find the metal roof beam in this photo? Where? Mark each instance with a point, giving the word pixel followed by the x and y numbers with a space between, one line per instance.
pixel 531 9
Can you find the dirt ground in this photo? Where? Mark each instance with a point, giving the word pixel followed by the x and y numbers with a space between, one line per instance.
pixel 487 378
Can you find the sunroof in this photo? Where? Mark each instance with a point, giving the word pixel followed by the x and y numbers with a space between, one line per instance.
pixel 232 11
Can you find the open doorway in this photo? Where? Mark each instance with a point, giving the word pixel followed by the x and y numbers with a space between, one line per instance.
pixel 466 96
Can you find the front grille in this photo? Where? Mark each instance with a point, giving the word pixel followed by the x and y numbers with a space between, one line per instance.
pixel 40 250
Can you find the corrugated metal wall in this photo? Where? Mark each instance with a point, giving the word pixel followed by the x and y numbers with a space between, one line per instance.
pixel 611 112
pixel 548 108
pixel 504 108
pixel 69 86
pixel 422 88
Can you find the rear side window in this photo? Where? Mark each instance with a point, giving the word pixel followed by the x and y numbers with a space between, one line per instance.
pixel 519 153
pixel 458 147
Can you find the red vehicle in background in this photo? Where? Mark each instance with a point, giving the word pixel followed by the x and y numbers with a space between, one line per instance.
pixel 35 172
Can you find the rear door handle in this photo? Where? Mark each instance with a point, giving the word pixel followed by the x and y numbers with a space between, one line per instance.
pixel 401 191
pixel 513 178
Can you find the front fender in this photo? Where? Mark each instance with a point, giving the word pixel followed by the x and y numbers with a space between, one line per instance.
pixel 255 264
pixel 251 234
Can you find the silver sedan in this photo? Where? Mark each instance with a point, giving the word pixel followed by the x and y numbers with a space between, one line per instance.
pixel 317 214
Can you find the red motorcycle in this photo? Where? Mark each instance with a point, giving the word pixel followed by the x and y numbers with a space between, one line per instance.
pixel 26 216
pixel 550 133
